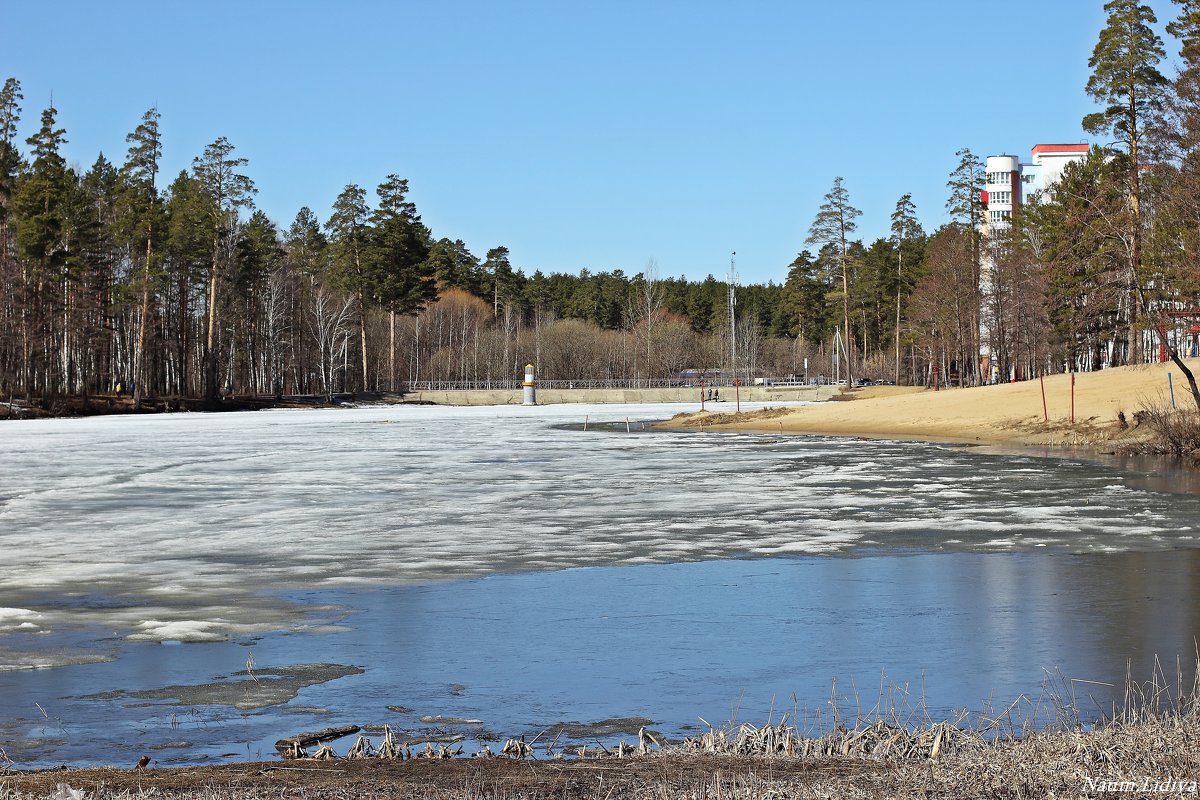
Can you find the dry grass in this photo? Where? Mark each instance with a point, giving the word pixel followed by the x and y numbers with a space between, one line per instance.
pixel 1176 430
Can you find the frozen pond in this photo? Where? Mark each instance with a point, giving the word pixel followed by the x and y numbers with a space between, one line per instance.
pixel 505 564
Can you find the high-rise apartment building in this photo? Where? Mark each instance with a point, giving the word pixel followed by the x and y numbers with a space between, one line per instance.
pixel 1009 184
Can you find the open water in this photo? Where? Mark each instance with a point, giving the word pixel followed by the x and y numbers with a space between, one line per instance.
pixel 506 565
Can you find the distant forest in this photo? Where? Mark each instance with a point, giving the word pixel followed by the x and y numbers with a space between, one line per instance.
pixel 177 286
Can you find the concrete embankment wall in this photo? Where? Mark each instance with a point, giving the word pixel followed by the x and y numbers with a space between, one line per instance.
pixel 749 394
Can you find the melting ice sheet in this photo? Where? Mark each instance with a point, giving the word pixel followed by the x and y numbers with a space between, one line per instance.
pixel 198 527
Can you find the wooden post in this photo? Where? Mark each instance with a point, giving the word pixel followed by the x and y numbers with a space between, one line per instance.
pixel 737 394
pixel 1072 398
pixel 701 394
pixel 1045 413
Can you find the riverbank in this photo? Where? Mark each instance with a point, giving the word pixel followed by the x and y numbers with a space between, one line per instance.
pixel 112 404
pixel 727 396
pixel 121 404
pixel 1105 407
pixel 1154 756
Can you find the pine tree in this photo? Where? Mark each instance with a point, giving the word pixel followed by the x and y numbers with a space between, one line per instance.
pixel 140 172
pixel 39 206
pixel 350 235
pixel 454 267
pixel 10 157
pixel 227 190
pixel 401 279
pixel 10 164
pixel 905 228
pixel 1126 79
pixel 965 205
pixel 834 223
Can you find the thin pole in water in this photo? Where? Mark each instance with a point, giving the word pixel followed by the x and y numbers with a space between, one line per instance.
pixel 1171 386
pixel 1045 413
pixel 585 419
pixel 627 424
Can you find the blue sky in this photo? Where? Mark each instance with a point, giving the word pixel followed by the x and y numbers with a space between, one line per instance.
pixel 579 135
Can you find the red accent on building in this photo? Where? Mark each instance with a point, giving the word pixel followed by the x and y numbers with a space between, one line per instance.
pixel 983 198
pixel 1060 148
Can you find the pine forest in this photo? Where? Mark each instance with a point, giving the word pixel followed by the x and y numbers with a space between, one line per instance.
pixel 176 286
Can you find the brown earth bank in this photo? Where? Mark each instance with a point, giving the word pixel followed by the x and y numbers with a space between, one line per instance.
pixel 1105 406
pixel 103 405
pixel 1148 758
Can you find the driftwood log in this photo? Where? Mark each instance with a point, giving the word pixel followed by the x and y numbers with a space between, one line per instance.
pixel 301 740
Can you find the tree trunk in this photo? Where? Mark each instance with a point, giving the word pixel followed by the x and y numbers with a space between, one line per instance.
pixel 1135 204
pixel 139 366
pixel 899 284
pixel 210 357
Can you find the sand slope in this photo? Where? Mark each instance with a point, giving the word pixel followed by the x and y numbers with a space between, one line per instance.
pixel 1008 413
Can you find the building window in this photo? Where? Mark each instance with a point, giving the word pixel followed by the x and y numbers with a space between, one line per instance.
pixel 999 216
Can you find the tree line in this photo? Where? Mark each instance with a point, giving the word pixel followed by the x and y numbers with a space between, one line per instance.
pixel 112 276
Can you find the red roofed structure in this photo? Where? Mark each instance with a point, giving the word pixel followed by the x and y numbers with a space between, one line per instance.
pixel 1039 149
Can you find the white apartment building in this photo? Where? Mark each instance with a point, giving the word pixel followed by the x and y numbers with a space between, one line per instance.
pixel 1008 184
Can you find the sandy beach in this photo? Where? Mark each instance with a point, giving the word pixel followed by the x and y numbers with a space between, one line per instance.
pixel 1003 414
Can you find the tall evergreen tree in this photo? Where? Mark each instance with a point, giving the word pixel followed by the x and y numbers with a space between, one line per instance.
pixel 834 223
pixel 905 229
pixel 965 205
pixel 402 280
pixel 350 233
pixel 10 157
pixel 227 190
pixel 141 172
pixel 10 163
pixel 1126 80
pixel 40 205
pixel 803 311
pixel 504 279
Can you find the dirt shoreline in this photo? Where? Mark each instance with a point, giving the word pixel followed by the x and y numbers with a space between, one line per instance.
pixel 1132 758
pixel 117 405
pixel 1006 415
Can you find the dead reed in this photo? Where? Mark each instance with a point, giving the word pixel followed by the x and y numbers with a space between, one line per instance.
pixel 1058 743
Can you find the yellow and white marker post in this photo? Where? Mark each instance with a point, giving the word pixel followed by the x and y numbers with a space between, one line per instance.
pixel 530 387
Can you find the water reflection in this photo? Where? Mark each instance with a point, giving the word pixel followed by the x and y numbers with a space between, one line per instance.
pixel 672 643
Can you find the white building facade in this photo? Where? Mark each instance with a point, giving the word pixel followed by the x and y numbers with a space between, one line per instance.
pixel 1008 185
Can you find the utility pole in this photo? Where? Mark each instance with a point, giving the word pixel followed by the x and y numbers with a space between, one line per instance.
pixel 733 277
pixel 837 362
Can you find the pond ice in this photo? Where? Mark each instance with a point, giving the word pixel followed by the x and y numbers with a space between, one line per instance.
pixel 188 526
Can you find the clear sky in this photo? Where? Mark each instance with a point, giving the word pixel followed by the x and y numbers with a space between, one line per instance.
pixel 580 135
